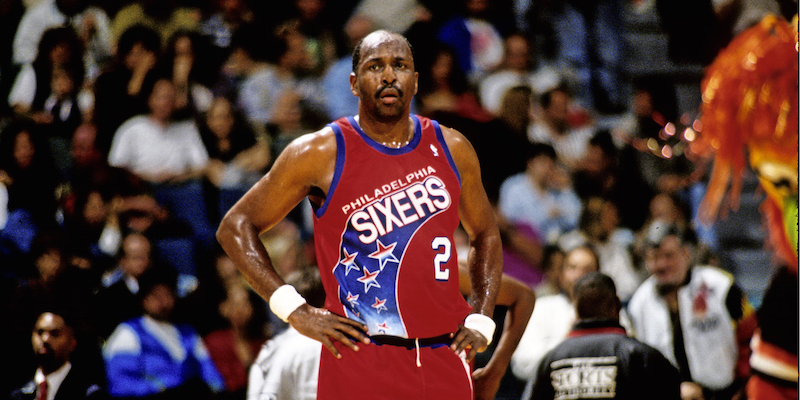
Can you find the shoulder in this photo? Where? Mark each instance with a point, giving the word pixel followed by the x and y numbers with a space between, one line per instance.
pixel 319 143
pixel 645 291
pixel 714 274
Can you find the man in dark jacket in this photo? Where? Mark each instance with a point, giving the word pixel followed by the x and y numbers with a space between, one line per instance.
pixel 598 360
pixel 54 343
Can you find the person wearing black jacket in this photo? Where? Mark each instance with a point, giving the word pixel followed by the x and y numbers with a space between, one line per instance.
pixel 598 359
pixel 55 345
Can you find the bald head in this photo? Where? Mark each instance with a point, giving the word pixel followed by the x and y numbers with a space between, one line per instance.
pixel 376 39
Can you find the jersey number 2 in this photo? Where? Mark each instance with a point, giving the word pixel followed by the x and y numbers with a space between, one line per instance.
pixel 442 245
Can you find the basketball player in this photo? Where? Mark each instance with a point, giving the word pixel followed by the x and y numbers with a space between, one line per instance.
pixel 388 191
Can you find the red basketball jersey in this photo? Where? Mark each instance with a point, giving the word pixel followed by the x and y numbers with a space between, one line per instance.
pixel 384 235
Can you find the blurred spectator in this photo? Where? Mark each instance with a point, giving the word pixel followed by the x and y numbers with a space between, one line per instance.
pixel 93 27
pixel 257 80
pixel 38 17
pixel 598 343
pixel 590 40
pixel 43 280
pixel 150 357
pixel 476 43
pixel 339 99
pixel 553 315
pixel 234 347
pixel 695 315
pixel 170 156
pixel 552 262
pixel 444 89
pixel 11 12
pixel 59 373
pixel 28 172
pixel 541 197
pixel 519 68
pixel 116 301
pixel 121 91
pixel 227 17
pixel 396 16
pixel 164 16
pixel 605 171
pixel 185 61
pixel 288 364
pixel 664 210
pixel 559 123
pixel 94 228
pixel 599 227
pixel 501 145
pixel 59 48
pixel 312 21
pixel 237 159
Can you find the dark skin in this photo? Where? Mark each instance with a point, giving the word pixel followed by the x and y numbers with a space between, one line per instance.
pixel 385 82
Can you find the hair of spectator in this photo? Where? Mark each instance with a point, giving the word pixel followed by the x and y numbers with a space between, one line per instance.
pixel 138 34
pixel 595 296
pixel 308 283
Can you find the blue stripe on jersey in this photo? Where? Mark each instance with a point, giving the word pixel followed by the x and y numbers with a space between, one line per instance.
pixel 388 150
pixel 337 173
pixel 440 138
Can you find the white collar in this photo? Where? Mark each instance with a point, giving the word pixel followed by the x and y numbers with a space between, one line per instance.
pixel 54 379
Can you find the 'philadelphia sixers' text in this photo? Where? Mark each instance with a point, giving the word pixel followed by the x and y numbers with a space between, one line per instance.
pixel 397 203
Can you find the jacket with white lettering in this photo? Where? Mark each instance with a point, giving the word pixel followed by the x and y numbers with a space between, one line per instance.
pixel 384 235
pixel 598 361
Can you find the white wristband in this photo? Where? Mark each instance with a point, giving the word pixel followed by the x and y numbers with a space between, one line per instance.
pixel 284 301
pixel 482 324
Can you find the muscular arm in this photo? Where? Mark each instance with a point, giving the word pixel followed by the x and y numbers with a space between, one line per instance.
pixel 484 262
pixel 308 162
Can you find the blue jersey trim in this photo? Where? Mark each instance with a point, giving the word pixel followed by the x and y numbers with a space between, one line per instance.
pixel 337 173
pixel 388 150
pixel 440 138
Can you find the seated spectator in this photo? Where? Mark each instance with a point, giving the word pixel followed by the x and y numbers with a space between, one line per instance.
pixel 116 301
pixel 237 159
pixel 93 27
pixel 695 315
pixel 163 16
pixel 185 61
pixel 225 20
pixel 516 70
pixel 552 262
pixel 445 90
pixel 475 40
pixel 606 171
pixel 339 100
pixel 121 91
pixel 37 18
pixel 234 347
pixel 559 122
pixel 170 156
pixel 257 78
pixel 553 315
pixel 598 343
pixel 599 227
pixel 150 357
pixel 59 371
pixel 541 197
pixel 28 173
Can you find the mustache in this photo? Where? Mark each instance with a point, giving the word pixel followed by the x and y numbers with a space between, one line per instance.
pixel 389 86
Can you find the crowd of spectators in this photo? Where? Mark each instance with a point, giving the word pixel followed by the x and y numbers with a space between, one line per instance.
pixel 129 128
